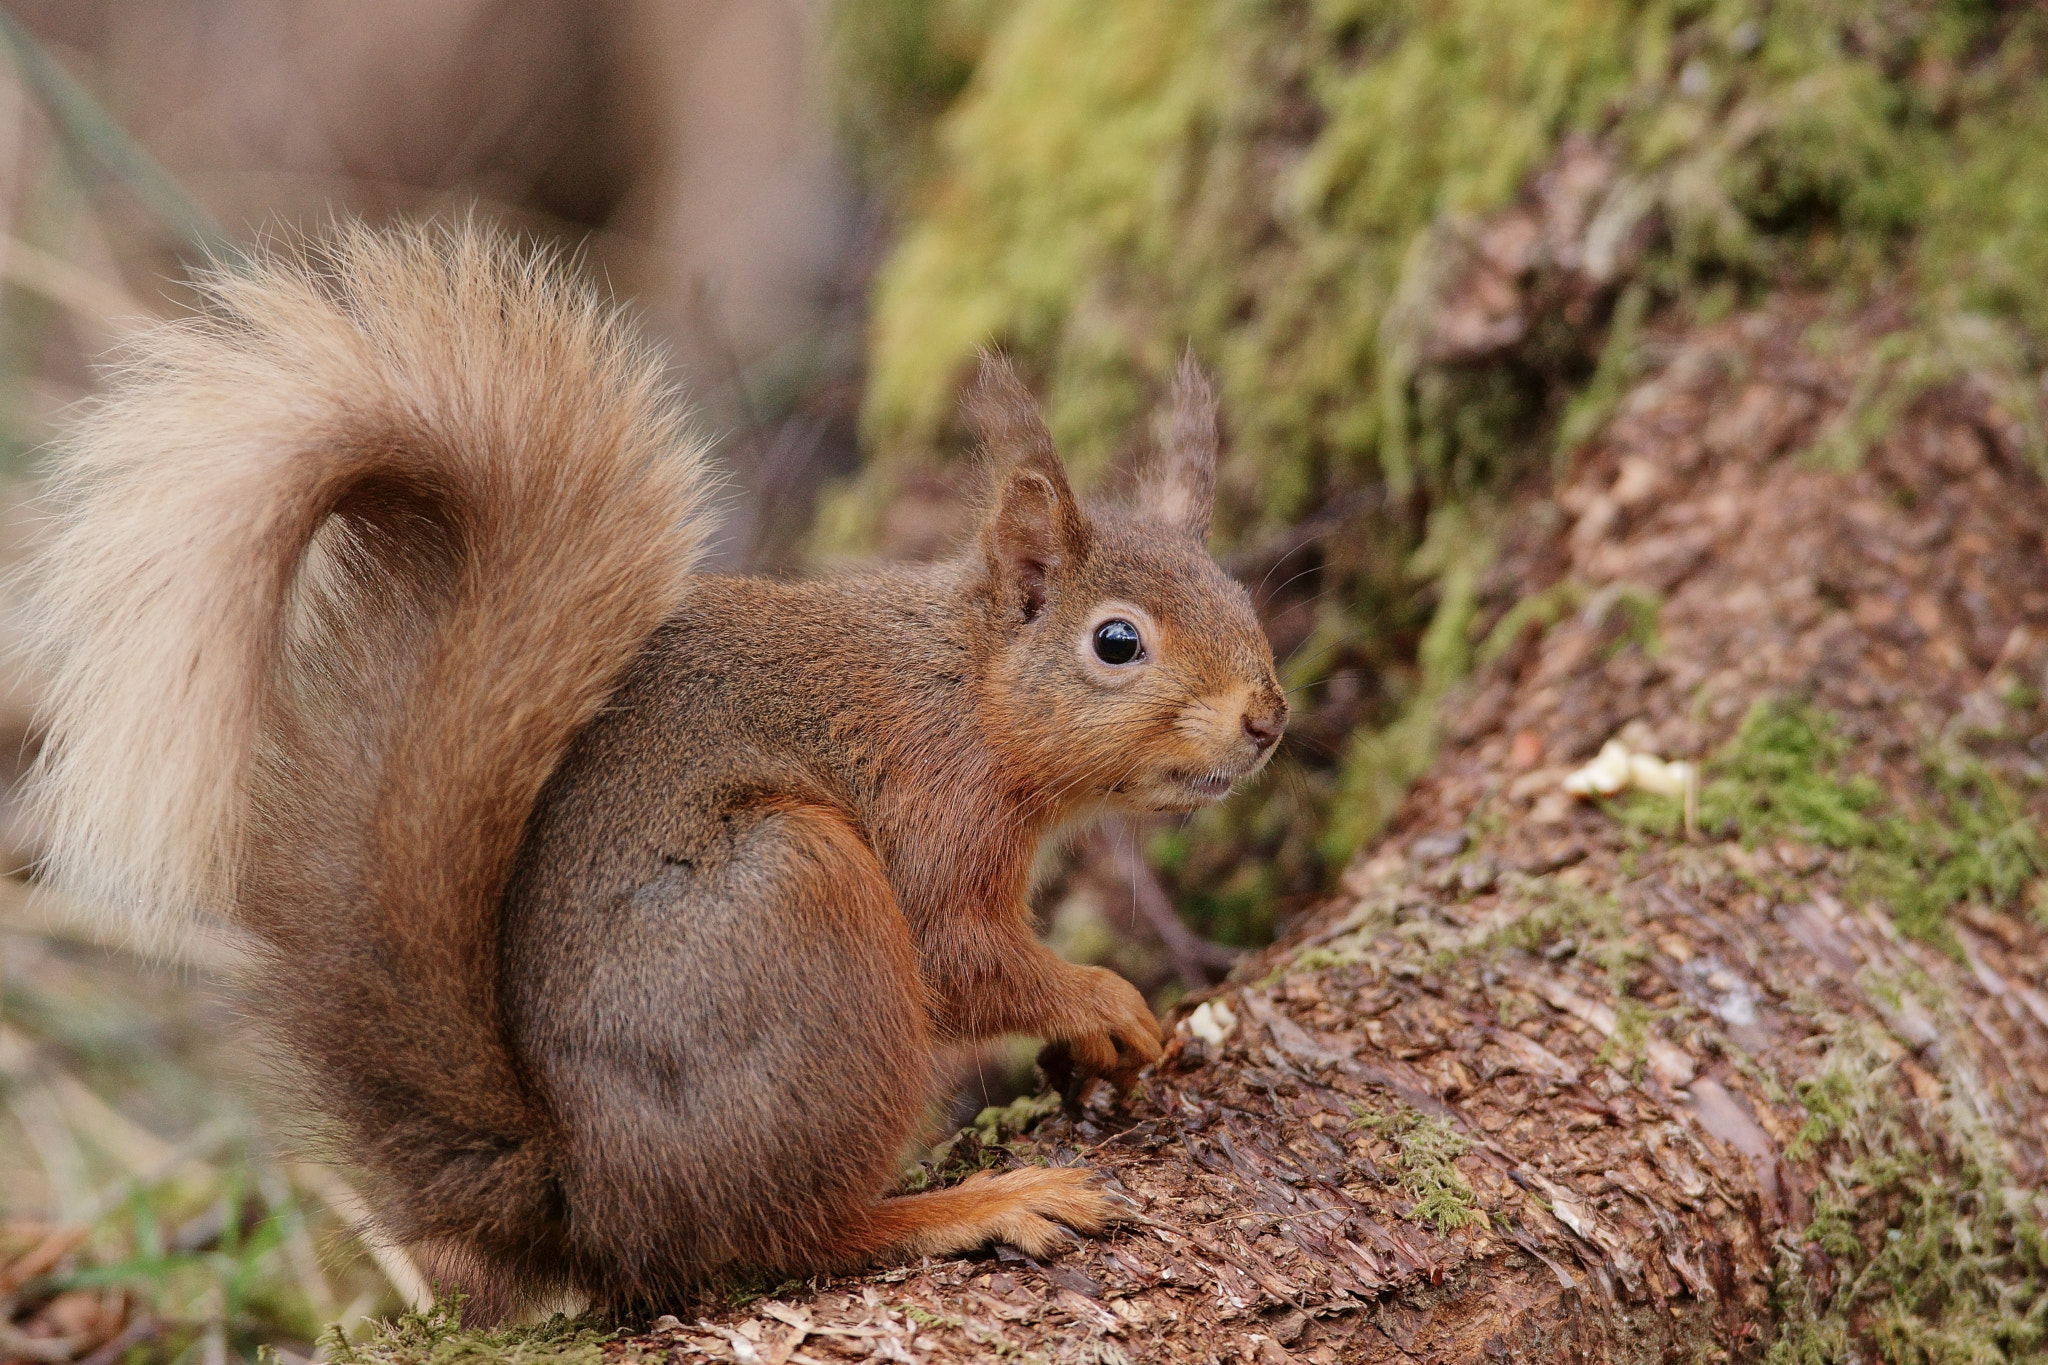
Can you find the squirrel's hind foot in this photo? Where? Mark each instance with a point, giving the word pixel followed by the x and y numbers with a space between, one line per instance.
pixel 1025 1209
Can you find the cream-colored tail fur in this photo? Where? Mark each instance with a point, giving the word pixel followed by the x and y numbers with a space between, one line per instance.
pixel 423 459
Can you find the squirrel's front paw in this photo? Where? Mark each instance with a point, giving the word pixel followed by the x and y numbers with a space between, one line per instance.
pixel 1115 1037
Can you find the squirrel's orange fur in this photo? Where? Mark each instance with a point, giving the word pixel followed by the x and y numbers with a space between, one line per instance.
pixel 615 913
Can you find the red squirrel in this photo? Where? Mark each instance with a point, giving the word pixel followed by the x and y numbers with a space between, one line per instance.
pixel 615 913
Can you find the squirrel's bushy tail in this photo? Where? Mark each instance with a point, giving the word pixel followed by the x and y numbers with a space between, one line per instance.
pixel 341 566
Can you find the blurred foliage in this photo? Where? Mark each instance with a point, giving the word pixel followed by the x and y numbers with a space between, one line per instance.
pixel 1293 184
pixel 202 1247
pixel 98 146
pixel 900 64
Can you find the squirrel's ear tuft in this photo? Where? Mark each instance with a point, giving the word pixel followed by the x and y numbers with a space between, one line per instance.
pixel 1036 526
pixel 1179 487
pixel 1004 415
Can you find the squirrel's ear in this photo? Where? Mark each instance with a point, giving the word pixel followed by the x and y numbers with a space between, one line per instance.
pixel 1179 487
pixel 1035 527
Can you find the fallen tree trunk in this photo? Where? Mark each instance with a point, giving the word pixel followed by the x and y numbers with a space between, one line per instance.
pixel 1760 1070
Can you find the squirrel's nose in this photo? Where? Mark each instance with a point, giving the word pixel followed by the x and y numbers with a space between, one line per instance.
pixel 1264 729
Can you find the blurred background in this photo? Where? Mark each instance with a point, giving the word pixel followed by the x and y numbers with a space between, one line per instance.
pixel 1426 249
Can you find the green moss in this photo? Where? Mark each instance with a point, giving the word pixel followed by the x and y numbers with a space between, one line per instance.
pixel 987 1340
pixel 1784 774
pixel 1627 1048
pixel 1907 365
pixel 1976 843
pixel 901 63
pixel 1541 609
pixel 1636 609
pixel 1932 1254
pixel 1426 1149
pixel 1054 164
pixel 1781 775
pixel 1619 367
pixel 436 1337
pixel 1543 913
pixel 983 1145
pixel 1380 763
pixel 1000 1122
pixel 1320 958
pixel 1104 196
pixel 1840 1095
pixel 1239 909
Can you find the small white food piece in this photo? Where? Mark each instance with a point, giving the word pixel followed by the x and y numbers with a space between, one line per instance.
pixel 1617 768
pixel 1212 1022
pixel 1647 772
pixel 1605 775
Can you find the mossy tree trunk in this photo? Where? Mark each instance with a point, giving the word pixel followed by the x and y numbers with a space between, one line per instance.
pixel 1760 1072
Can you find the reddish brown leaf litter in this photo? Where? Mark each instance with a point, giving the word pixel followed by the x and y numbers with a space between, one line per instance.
pixel 1635 1156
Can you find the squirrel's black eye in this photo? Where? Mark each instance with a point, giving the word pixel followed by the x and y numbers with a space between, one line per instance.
pixel 1117 641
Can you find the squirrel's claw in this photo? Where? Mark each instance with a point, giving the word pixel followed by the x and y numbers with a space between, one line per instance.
pixel 1116 1055
pixel 1056 1062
